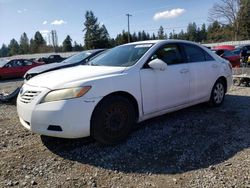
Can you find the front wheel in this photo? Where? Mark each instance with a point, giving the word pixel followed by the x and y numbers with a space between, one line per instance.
pixel 112 120
pixel 218 93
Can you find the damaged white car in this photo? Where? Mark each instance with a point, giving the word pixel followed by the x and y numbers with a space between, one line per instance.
pixel 127 84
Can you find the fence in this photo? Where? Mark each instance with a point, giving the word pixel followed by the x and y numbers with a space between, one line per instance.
pixel 233 43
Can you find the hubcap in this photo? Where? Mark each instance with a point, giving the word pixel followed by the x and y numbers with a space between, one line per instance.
pixel 218 93
pixel 116 118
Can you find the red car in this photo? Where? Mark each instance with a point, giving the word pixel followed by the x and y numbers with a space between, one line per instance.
pixel 15 68
pixel 224 47
pixel 234 59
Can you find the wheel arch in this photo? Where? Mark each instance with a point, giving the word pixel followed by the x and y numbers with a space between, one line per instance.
pixel 224 80
pixel 126 95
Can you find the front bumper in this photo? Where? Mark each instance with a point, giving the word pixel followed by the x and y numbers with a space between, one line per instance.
pixel 73 116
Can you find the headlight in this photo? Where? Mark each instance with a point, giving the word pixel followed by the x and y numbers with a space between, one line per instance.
pixel 64 94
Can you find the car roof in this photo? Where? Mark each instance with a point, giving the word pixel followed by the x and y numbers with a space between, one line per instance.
pixel 94 50
pixel 163 41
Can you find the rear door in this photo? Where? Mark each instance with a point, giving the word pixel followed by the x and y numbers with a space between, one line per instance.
pixel 204 71
pixel 27 65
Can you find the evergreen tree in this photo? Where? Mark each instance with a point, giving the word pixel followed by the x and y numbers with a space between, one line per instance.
pixel 77 47
pixel 182 35
pixel 192 32
pixel 13 47
pixel 104 41
pixel 153 37
pixel 4 51
pixel 24 44
pixel 32 46
pixel 67 44
pixel 216 33
pixel 38 43
pixel 139 36
pixel 134 37
pixel 161 34
pixel 92 31
pixel 203 33
pixel 122 38
pixel 171 35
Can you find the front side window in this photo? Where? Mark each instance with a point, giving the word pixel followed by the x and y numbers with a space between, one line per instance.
pixel 27 63
pixel 169 53
pixel 121 56
pixel 15 63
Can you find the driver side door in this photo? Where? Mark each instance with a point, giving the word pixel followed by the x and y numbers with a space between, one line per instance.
pixel 169 88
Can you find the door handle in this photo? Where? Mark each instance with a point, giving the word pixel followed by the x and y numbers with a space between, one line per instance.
pixel 183 71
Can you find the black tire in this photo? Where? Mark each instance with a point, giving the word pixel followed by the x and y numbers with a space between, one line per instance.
pixel 112 120
pixel 237 81
pixel 218 93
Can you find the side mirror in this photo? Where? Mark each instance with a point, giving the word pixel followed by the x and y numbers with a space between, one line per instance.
pixel 157 64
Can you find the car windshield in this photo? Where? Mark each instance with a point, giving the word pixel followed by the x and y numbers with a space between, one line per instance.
pixel 2 62
pixel 121 56
pixel 77 57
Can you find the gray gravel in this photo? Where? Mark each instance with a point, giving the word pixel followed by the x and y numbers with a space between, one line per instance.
pixel 195 147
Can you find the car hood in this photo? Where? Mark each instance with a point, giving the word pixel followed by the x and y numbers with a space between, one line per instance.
pixel 48 67
pixel 79 74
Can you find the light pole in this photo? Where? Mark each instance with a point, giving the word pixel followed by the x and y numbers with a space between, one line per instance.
pixel 128 15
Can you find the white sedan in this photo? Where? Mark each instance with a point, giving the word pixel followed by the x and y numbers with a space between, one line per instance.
pixel 125 85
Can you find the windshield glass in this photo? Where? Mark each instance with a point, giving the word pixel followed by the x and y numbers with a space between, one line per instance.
pixel 77 57
pixel 121 56
pixel 2 62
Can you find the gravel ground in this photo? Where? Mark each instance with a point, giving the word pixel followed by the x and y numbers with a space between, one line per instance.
pixel 195 147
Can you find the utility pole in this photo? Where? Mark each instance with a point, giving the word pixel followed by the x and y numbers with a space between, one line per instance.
pixel 54 39
pixel 128 15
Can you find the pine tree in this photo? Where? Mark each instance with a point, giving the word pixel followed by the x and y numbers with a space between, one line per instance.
pixel 153 37
pixel 24 44
pixel 192 32
pixel 92 31
pixel 134 37
pixel 161 34
pixel 4 51
pixel 104 41
pixel 67 44
pixel 38 43
pixel 13 47
pixel 77 47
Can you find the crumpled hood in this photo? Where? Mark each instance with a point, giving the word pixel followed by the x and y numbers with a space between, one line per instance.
pixel 61 78
pixel 47 67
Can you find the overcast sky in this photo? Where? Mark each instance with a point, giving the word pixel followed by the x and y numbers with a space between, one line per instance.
pixel 67 17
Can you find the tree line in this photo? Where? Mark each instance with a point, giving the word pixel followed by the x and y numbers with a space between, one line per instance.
pixel 230 20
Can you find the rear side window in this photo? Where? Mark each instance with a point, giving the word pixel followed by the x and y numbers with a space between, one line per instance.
pixel 196 54
pixel 27 63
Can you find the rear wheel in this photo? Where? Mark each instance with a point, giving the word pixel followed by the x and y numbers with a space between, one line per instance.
pixel 112 120
pixel 218 93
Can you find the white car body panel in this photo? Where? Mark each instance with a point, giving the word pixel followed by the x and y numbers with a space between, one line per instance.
pixel 155 91
pixel 161 83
